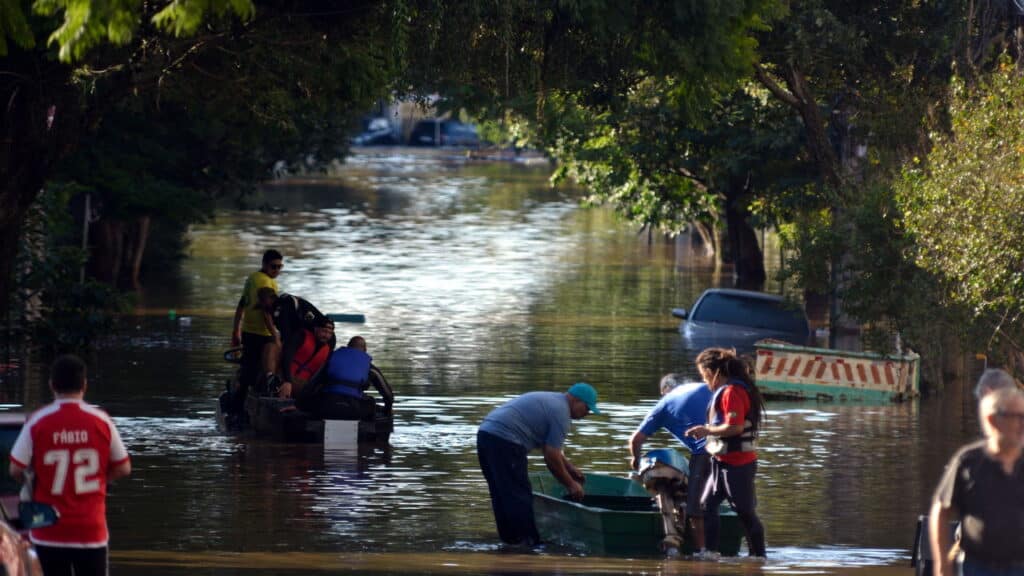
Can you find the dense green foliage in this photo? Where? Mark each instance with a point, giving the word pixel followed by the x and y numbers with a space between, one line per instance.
pixel 71 311
pixel 962 203
pixel 729 116
pixel 160 108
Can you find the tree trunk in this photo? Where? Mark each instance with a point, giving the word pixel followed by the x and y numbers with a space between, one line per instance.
pixel 705 238
pixel 108 250
pixel 845 333
pixel 745 252
pixel 141 237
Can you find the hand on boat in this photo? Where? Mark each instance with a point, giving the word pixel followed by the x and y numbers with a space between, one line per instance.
pixel 575 473
pixel 575 491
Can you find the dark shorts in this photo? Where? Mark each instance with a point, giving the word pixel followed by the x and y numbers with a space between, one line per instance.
pixel 252 357
pixel 60 561
pixel 700 465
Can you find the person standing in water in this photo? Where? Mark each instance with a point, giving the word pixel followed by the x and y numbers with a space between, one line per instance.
pixel 735 415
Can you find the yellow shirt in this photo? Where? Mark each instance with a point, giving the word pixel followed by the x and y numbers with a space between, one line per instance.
pixel 252 319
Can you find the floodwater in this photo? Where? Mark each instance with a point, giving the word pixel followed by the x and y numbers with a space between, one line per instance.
pixel 478 282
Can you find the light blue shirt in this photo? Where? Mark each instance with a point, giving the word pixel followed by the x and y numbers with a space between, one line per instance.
pixel 683 407
pixel 532 420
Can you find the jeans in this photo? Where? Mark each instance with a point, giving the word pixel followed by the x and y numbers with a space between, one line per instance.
pixel 505 467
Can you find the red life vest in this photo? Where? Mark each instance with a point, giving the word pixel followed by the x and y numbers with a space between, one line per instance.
pixel 309 358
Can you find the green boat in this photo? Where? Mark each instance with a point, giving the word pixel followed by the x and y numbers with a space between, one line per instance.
pixel 617 517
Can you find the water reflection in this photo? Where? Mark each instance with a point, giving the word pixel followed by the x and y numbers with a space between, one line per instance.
pixel 822 561
pixel 478 283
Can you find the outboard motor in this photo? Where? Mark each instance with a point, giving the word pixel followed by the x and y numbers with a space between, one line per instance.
pixel 664 474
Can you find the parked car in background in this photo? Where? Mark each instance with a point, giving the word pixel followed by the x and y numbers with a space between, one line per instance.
pixel 17 556
pixel 378 131
pixel 436 132
pixel 739 318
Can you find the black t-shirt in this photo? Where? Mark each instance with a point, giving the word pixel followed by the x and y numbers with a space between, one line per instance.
pixel 990 504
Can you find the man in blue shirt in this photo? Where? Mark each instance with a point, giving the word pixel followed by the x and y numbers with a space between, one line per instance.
pixel 533 420
pixel 681 407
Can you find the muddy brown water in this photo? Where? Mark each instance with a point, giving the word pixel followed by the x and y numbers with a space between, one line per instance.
pixel 478 282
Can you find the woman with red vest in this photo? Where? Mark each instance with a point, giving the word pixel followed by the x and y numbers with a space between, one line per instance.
pixel 734 420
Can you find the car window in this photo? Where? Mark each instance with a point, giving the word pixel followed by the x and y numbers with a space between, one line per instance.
pixel 8 434
pixel 753 312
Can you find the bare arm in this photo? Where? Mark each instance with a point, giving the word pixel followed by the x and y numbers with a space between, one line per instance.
pixel 636 443
pixel 17 472
pixel 720 430
pixel 120 470
pixel 291 346
pixel 268 321
pixel 939 538
pixel 559 467
pixel 383 387
pixel 236 326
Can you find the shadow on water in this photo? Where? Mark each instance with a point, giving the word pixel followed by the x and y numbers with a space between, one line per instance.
pixel 478 283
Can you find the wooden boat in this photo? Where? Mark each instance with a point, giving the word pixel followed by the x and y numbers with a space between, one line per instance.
pixel 279 420
pixel 803 373
pixel 616 517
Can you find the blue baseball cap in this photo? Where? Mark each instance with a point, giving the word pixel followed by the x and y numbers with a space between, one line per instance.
pixel 587 394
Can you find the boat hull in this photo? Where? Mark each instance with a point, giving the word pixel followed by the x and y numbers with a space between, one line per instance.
pixel 617 517
pixel 804 373
pixel 279 420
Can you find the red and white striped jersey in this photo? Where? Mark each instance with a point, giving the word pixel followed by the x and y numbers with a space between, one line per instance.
pixel 69 446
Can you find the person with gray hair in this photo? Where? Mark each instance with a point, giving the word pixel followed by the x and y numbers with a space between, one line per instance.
pixel 669 382
pixel 983 488
pixel 991 380
pixel 682 406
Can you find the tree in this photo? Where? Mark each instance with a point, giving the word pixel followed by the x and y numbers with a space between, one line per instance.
pixel 962 204
pixel 294 69
pixel 618 92
pixel 863 81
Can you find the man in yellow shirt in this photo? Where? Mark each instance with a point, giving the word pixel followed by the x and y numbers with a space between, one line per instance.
pixel 253 327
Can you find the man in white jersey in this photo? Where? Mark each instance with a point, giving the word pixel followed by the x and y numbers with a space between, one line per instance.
pixel 73 450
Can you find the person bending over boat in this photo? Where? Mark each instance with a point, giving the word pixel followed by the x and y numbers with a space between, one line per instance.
pixel 295 323
pixel 292 314
pixel 342 391
pixel 681 407
pixel 531 421
pixel 983 488
pixel 735 414
pixel 253 327
pixel 305 353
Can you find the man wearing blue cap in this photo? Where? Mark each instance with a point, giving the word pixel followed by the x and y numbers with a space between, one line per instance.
pixel 509 433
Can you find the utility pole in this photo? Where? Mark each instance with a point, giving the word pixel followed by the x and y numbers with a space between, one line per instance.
pixel 86 217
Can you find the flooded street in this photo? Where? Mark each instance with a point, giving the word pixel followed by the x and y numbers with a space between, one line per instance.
pixel 478 282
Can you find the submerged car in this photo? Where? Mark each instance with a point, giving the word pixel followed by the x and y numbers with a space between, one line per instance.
pixel 436 132
pixel 377 132
pixel 739 318
pixel 17 556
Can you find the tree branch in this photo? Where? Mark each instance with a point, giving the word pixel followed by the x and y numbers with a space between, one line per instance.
pixel 778 91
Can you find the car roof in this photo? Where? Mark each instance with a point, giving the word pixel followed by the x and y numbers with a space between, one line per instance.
pixel 7 418
pixel 744 294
